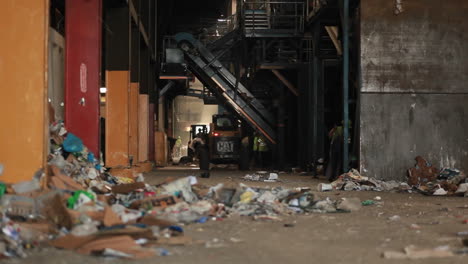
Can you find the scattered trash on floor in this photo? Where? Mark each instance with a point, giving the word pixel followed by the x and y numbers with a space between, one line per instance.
pixel 423 178
pixel 77 205
pixel 394 218
pixel 349 204
pixel 354 181
pixel 428 180
pixel 323 187
pixel 263 176
pixel 368 202
pixel 215 243
pixel 412 252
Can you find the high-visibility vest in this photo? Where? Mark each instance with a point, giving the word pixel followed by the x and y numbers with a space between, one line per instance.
pixel 262 145
pixel 255 144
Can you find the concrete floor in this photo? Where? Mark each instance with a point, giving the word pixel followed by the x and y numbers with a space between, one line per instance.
pixel 358 237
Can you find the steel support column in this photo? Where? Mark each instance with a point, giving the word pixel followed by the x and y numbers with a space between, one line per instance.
pixel 310 115
pixel 82 70
pixel 281 128
pixel 301 114
pixel 313 99
pixel 345 84
pixel 315 85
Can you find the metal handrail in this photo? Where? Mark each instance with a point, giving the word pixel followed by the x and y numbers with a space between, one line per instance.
pixel 294 16
pixel 219 28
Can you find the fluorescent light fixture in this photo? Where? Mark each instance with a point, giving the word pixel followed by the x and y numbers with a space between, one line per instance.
pixel 103 90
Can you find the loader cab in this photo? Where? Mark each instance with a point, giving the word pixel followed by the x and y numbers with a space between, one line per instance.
pixel 225 136
pixel 224 123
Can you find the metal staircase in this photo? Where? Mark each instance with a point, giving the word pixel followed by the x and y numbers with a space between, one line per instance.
pixel 209 70
pixel 272 19
pixel 256 19
pixel 265 19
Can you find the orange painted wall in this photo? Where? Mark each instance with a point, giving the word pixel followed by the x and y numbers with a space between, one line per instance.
pixel 23 92
pixel 160 148
pixel 133 121
pixel 117 98
pixel 143 128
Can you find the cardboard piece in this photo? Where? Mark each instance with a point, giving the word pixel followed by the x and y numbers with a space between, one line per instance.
pixel 66 180
pixel 121 239
pixel 111 218
pixel 55 211
pixel 412 252
pixel 94 215
pixel 127 188
pixel 43 227
pixel 71 242
pixel 55 182
pixel 150 220
pixel 103 198
pixel 124 244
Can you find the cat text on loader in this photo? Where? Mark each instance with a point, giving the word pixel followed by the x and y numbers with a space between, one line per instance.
pixel 222 145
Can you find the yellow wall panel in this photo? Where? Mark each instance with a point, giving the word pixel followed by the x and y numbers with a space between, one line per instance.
pixel 143 128
pixel 117 133
pixel 133 121
pixel 23 92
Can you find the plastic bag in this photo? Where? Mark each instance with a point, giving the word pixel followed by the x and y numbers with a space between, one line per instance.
pixel 72 143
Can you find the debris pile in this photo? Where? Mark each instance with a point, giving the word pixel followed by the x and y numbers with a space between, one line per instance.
pixel 423 178
pixel 76 205
pixel 263 176
pixel 354 181
pixel 429 180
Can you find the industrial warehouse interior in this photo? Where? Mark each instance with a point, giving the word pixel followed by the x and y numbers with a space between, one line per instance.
pixel 234 131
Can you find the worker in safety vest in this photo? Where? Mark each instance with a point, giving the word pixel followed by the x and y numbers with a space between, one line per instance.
pixel 260 148
pixel 335 162
pixel 176 150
